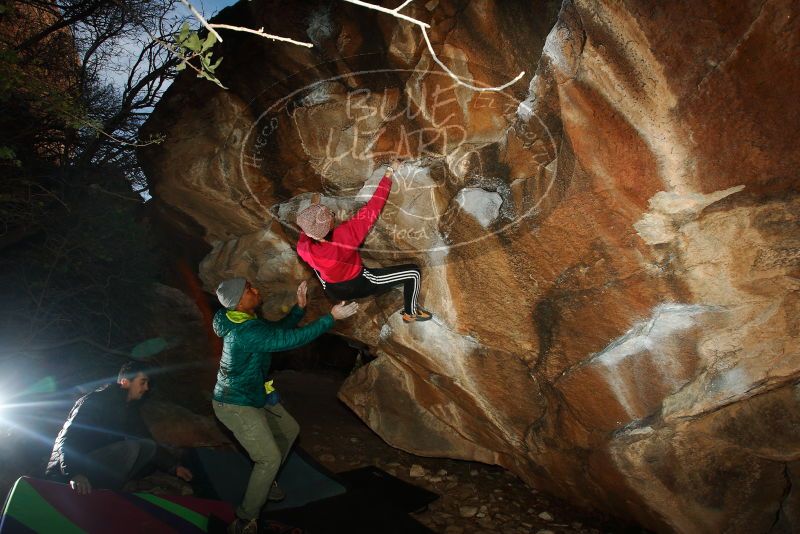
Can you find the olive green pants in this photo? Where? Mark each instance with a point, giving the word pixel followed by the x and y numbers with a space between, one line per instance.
pixel 267 435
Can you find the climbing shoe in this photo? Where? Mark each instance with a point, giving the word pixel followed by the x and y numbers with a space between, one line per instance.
pixel 421 315
pixel 276 493
pixel 243 526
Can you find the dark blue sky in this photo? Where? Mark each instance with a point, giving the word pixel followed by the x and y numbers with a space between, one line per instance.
pixel 211 7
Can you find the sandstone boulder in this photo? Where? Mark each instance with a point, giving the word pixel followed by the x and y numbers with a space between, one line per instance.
pixel 611 252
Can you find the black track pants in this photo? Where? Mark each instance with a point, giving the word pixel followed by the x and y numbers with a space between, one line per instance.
pixel 377 281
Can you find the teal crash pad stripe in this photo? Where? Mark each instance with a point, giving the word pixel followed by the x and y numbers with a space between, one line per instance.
pixel 184 513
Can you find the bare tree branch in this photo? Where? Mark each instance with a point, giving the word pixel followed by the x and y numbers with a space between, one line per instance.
pixel 393 12
pixel 63 23
pixel 259 32
pixel 459 80
pixel 424 26
pixel 202 20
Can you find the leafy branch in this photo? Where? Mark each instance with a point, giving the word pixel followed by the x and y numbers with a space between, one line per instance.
pixel 191 46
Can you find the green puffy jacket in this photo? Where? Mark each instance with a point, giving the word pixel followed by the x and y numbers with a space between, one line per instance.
pixel 247 348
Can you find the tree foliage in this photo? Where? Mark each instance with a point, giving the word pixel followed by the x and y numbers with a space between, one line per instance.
pixel 191 46
pixel 77 79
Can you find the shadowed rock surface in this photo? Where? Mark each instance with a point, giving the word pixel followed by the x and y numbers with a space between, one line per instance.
pixel 612 252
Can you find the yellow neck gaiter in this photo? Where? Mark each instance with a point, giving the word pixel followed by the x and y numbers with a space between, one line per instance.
pixel 238 316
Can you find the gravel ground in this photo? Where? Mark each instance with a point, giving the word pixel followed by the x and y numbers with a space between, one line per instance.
pixel 475 497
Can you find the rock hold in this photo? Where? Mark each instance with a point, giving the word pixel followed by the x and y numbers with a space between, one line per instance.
pixel 417 471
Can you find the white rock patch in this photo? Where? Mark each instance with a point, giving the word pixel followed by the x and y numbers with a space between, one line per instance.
pixel 483 205
pixel 668 210
pixel 320 26
pixel 647 338
pixel 666 320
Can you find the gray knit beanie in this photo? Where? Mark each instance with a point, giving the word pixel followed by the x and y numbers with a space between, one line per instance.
pixel 230 292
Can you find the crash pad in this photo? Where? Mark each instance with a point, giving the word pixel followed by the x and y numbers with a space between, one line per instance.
pixel 35 505
pixel 223 474
pixel 375 502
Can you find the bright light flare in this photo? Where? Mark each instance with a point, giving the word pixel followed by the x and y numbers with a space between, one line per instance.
pixel 3 401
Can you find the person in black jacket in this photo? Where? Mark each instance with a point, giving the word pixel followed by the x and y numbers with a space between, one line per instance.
pixel 104 441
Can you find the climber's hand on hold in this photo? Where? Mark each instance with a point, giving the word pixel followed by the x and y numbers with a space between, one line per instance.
pixel 393 166
pixel 343 311
pixel 302 298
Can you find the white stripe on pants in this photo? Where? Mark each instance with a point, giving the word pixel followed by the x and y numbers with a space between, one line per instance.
pixel 393 278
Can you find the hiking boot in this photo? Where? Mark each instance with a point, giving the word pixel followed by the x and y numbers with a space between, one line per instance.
pixel 421 315
pixel 276 493
pixel 243 526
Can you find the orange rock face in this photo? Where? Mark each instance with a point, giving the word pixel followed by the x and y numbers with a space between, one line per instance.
pixel 612 252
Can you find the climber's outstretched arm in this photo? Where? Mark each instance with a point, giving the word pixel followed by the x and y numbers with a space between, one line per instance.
pixel 355 230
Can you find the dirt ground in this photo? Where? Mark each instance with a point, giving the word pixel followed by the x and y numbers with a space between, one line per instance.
pixel 475 498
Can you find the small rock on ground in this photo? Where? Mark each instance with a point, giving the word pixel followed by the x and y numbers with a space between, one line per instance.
pixel 417 471
pixel 468 511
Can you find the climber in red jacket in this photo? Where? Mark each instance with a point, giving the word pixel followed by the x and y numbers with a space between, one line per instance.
pixel 334 255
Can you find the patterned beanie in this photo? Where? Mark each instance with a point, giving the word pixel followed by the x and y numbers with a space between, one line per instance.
pixel 316 221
